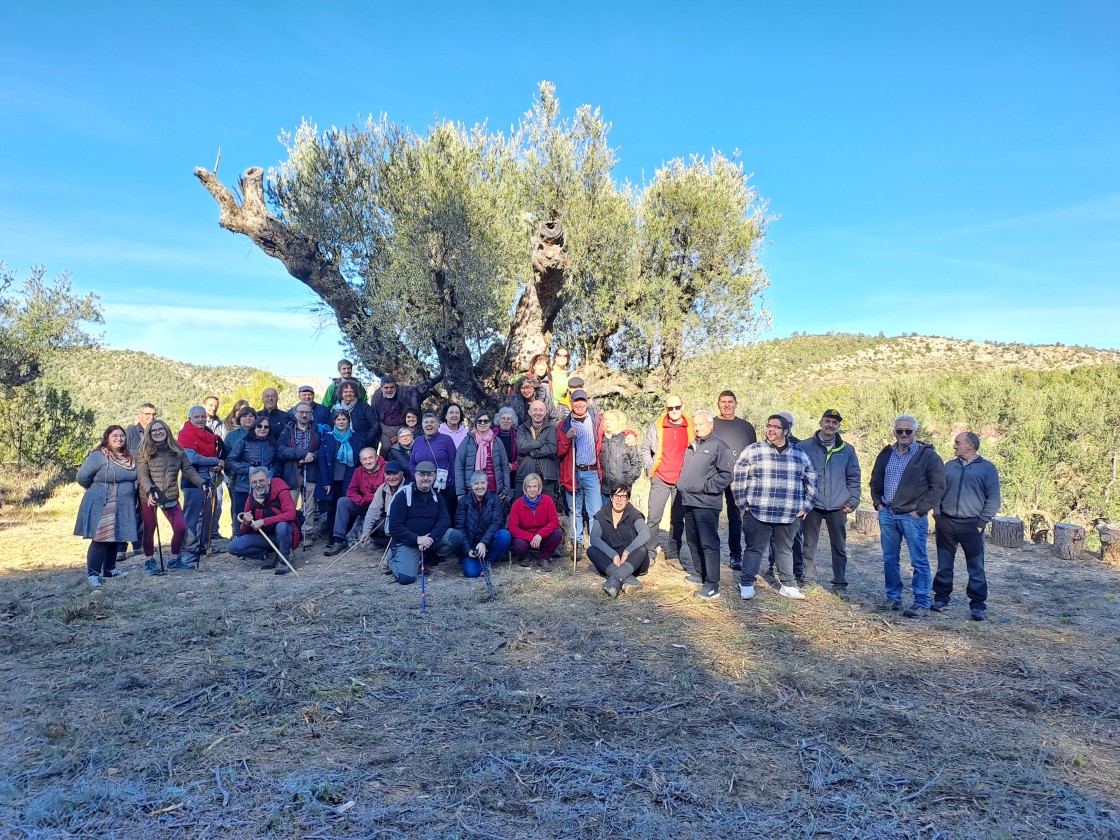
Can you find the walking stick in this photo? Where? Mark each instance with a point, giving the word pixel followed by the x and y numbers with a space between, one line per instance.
pixel 575 545
pixel 347 551
pixel 159 542
pixel 486 574
pixel 423 592
pixel 279 553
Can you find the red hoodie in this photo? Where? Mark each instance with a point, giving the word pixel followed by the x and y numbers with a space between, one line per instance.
pixel 364 484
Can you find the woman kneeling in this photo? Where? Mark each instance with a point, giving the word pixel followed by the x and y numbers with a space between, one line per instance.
pixel 479 516
pixel 618 543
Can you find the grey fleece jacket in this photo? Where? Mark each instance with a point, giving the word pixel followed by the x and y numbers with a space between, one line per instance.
pixel 971 490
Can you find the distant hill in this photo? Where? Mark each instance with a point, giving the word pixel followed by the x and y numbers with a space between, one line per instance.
pixel 115 382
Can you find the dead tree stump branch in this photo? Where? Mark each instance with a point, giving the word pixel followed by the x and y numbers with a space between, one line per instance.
pixel 1007 531
pixel 1068 540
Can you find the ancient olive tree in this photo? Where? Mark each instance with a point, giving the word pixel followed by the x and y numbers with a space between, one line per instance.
pixel 470 251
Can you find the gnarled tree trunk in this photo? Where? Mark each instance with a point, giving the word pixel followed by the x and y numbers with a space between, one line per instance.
pixel 530 332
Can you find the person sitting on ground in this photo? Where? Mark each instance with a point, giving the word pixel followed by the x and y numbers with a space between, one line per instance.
pixel 338 458
pixel 205 451
pixel 536 452
pixel 269 510
pixel 480 451
pixel 320 414
pixel 345 374
pixel 362 420
pixel 622 463
pixel 506 433
pixel 256 449
pixel 359 495
pixel 534 525
pixel 392 403
pixel 375 527
pixel 158 464
pixel 480 518
pixel 452 424
pixel 107 513
pixel 619 538
pixel 401 451
pixel 419 525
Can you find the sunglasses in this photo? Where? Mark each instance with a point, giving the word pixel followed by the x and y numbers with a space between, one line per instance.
pixel 264 426
pixel 673 407
pixel 903 432
pixel 482 421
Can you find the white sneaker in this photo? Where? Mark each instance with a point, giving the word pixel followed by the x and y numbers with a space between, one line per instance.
pixel 791 592
pixel 94 581
pixel 746 592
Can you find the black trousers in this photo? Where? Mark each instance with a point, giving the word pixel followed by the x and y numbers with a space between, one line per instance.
pixel 701 528
pixel 101 557
pixel 967 534
pixel 639 557
pixel 777 537
pixel 838 539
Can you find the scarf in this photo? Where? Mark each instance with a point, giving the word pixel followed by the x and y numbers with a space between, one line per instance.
pixel 532 503
pixel 347 407
pixel 122 460
pixel 345 452
pixel 484 456
pixel 202 441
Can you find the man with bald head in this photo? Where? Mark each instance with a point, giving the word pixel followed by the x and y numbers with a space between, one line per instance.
pixel 277 418
pixel 537 448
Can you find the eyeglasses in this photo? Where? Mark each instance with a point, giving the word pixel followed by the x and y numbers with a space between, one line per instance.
pixel 673 407
pixel 903 432
pixel 775 426
pixel 620 496
pixel 562 356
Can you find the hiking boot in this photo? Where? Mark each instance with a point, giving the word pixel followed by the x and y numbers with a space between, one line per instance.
pixel 178 564
pixel 546 564
pixel 269 562
pixel 630 584
pixel 791 592
pixel 150 566
pixel 94 581
pixel 120 556
pixel 694 578
pixel 708 592
pixel 524 562
pixel 114 573
pixel 978 613
pixel 746 592
pixel 334 547
pixel 938 605
pixel 282 570
pixel 735 564
pixel 612 586
pixel 841 592
pixel 916 612
pixel 891 605
pixel 675 563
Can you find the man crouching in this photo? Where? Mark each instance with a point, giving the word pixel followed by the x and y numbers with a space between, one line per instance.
pixel 419 522
pixel 269 510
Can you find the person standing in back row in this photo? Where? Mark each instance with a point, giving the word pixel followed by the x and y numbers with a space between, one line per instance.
pixel 970 501
pixel 705 475
pixel 663 455
pixel 738 434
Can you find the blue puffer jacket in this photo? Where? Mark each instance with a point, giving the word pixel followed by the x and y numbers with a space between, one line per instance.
pixel 249 453
pixel 480 520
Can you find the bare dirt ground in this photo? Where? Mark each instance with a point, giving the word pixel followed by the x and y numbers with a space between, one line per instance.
pixel 232 703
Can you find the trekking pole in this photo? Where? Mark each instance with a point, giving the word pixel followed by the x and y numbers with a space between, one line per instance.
pixel 279 553
pixel 486 574
pixel 575 546
pixel 423 592
pixel 347 551
pixel 159 542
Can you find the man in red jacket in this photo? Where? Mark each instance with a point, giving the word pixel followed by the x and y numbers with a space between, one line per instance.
pixel 268 510
pixel 579 440
pixel 663 453
pixel 358 498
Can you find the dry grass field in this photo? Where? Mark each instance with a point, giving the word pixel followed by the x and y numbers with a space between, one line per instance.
pixel 232 703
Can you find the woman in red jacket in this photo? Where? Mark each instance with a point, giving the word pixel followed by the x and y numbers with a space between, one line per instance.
pixel 534 525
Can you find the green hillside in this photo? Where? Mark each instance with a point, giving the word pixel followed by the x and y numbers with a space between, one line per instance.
pixel 113 383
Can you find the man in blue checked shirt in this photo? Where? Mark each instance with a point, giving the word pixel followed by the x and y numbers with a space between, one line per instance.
pixel 774 485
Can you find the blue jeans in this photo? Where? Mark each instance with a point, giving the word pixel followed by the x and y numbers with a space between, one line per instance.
pixel 255 547
pixel 893 529
pixel 496 549
pixel 404 560
pixel 588 497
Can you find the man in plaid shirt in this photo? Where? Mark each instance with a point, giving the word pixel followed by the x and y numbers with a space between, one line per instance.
pixel 775 485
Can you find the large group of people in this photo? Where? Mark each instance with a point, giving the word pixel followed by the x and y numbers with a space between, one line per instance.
pixel 546 475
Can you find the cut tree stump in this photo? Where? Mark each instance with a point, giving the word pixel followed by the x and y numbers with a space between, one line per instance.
pixel 867 522
pixel 1110 543
pixel 1068 540
pixel 1007 531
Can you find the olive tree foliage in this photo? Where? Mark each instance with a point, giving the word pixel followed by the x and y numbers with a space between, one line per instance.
pixel 423 246
pixel 38 317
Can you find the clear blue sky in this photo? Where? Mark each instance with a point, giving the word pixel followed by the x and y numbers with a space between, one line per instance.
pixel 949 168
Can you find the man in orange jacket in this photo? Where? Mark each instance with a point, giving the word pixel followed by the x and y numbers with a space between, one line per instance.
pixel 663 454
